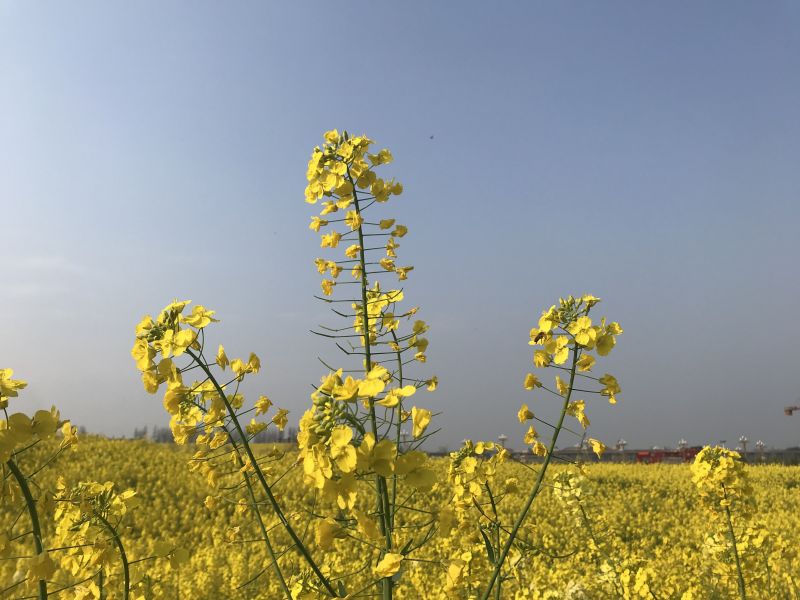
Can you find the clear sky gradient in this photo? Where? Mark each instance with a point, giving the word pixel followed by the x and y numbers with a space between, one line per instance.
pixel 648 153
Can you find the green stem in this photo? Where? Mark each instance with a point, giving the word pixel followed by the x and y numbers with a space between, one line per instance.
pixel 382 500
pixel 739 575
pixel 496 526
pixel 34 514
pixel 126 576
pixel 270 550
pixel 262 480
pixel 398 429
pixel 539 479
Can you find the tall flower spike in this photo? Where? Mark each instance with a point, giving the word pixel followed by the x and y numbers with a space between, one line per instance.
pixel 361 415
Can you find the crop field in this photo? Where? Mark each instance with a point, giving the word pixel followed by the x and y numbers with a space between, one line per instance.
pixel 651 523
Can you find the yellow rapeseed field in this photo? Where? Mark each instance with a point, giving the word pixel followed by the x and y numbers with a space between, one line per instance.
pixel 651 518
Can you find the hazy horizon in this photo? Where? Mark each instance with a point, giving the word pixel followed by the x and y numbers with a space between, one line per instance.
pixel 645 153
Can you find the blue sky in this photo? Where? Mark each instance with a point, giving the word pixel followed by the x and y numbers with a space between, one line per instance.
pixel 644 152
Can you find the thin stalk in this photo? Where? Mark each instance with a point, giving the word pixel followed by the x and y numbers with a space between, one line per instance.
pixel 739 575
pixel 34 514
pixel 382 492
pixel 262 480
pixel 398 430
pixel 496 527
pixel 126 576
pixel 537 486
pixel 270 550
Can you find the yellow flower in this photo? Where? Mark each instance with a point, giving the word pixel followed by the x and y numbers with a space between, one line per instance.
pixel 41 567
pixel 222 358
pixel 199 318
pixel 280 419
pixel 340 449
pixel 262 405
pixel 417 475
pixel 330 240
pixel 328 530
pixel 347 390
pixel 562 386
pixel 585 362
pixel 381 158
pixel 557 347
pixel 420 417
pixel 141 352
pixel 598 447
pixel 150 382
pixel 378 457
pixel 352 251
pixel 331 136
pixel 590 300
pixel 531 435
pixel 70 435
pixel 327 286
pixel 531 382
pixel 393 396
pixel 328 207
pixel 539 449
pixel 582 329
pixel 524 414
pixel 316 223
pixel 605 343
pixel 367 526
pixel 45 423
pixel 353 219
pixel 541 359
pixel 548 320
pixel 388 565
pixel 575 409
pixel 255 427
pixel 400 231
pixel 334 268
pixel 611 388
pixel 175 343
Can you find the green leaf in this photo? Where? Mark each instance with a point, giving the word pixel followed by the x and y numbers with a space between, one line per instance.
pixel 489 547
pixel 405 548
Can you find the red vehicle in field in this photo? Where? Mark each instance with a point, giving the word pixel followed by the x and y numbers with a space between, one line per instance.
pixel 682 455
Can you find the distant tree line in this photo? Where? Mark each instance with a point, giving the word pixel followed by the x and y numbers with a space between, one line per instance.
pixel 163 435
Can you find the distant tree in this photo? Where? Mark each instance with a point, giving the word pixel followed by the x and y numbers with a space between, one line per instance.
pixel 162 435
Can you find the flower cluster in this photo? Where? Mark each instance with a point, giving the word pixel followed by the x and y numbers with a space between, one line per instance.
pixel 563 331
pixel 357 426
pixel 718 474
pixel 19 430
pixel 75 551
pixel 737 539
pixel 472 468
pixel 202 410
